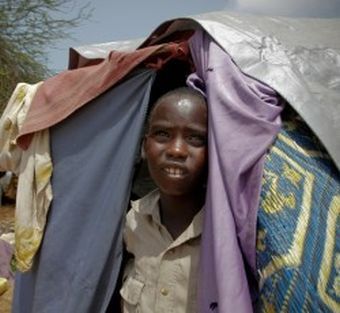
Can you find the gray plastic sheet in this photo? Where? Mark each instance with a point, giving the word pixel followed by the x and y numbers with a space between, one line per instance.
pixel 298 57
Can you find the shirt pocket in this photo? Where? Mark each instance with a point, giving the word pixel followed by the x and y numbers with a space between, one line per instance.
pixel 131 294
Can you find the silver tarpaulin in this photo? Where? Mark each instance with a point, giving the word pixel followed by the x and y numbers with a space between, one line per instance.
pixel 298 57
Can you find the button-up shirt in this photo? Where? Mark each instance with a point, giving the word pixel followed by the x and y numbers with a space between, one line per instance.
pixel 162 277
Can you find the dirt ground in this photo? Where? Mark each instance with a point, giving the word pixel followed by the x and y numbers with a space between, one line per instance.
pixel 6 226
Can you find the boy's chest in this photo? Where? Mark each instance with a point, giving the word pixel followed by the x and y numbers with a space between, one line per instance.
pixel 168 269
pixel 159 257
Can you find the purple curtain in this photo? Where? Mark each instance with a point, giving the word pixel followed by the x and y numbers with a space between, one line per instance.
pixel 244 118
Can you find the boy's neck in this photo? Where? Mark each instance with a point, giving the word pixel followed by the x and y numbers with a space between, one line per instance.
pixel 177 212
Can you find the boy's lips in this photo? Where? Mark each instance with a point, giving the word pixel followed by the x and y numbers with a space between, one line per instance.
pixel 174 171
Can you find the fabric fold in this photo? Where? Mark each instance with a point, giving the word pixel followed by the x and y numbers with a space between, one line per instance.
pixel 63 94
pixel 94 153
pixel 244 118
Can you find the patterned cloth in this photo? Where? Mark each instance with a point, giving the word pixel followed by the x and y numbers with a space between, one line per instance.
pixel 298 222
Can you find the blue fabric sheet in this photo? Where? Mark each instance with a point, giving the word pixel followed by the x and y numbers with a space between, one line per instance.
pixel 93 155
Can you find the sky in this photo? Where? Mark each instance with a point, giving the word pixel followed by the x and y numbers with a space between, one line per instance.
pixel 114 20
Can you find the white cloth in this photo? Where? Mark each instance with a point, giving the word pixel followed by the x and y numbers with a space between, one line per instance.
pixel 33 167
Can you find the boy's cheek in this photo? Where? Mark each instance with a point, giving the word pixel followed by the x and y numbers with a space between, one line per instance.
pixel 153 151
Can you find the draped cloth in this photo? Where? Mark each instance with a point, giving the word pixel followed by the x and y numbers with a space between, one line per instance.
pixel 244 118
pixel 95 138
pixel 34 169
pixel 93 153
pixel 63 94
pixel 298 224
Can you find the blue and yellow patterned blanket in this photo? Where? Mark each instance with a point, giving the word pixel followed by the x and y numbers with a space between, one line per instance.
pixel 298 247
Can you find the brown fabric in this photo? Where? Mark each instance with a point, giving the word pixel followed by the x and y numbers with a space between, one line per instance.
pixel 68 91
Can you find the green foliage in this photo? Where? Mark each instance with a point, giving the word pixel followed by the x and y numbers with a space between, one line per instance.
pixel 27 28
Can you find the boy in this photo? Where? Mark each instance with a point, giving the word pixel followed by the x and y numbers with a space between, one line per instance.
pixel 163 228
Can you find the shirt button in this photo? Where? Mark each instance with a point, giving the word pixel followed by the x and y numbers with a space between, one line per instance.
pixel 164 292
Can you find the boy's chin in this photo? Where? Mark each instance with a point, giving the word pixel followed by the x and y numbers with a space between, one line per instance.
pixel 179 191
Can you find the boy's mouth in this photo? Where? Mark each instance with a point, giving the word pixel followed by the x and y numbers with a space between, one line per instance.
pixel 174 171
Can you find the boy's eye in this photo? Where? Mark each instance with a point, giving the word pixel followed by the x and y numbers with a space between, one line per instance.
pixel 161 135
pixel 197 140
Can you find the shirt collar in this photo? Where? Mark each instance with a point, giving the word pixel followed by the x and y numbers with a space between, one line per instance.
pixel 148 205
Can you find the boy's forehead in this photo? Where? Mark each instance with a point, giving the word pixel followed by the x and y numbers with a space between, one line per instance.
pixel 181 104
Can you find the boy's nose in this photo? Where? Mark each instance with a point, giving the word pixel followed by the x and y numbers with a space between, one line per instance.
pixel 177 149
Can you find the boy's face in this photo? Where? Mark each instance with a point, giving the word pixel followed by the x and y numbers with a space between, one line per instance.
pixel 176 145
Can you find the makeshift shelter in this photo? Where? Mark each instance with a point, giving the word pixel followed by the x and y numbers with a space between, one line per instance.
pixel 248 67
